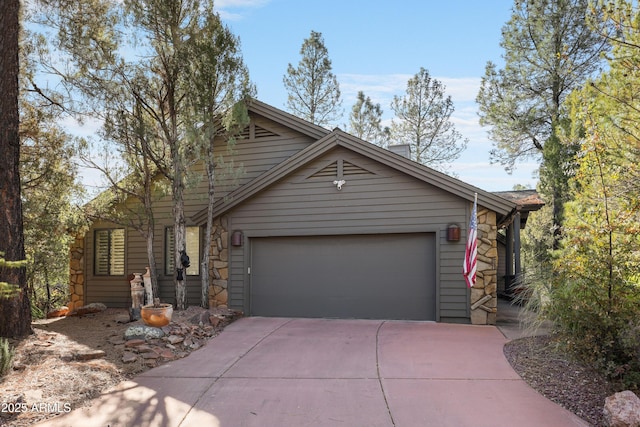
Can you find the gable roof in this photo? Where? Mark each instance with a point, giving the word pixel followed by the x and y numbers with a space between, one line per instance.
pixel 296 123
pixel 338 138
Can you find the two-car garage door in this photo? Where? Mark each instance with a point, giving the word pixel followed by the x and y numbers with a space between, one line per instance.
pixel 377 276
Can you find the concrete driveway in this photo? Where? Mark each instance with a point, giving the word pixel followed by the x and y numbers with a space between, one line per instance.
pixel 267 372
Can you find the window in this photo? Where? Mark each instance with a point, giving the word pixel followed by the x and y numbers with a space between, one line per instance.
pixel 109 252
pixel 193 250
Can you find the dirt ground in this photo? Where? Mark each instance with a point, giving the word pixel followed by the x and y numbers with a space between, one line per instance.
pixel 69 361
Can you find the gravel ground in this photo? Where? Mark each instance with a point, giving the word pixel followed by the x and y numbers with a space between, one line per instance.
pixel 560 378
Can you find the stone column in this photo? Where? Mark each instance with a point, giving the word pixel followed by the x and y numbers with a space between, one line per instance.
pixel 484 295
pixel 76 274
pixel 219 264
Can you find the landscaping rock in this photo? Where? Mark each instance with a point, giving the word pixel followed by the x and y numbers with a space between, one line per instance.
pixel 61 312
pixel 92 308
pixel 123 319
pixel 129 357
pixel 142 332
pixel 84 355
pixel 622 410
pixel 174 339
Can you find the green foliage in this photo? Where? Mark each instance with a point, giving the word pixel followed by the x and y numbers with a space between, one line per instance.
pixel 365 119
pixel 9 290
pixel 166 79
pixel 48 174
pixel 423 120
pixel 549 50
pixel 596 291
pixel 313 89
pixel 6 356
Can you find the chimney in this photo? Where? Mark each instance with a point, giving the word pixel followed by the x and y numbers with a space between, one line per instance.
pixel 402 149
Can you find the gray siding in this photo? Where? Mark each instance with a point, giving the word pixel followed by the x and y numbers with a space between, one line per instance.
pixel 377 199
pixel 263 145
pixel 266 144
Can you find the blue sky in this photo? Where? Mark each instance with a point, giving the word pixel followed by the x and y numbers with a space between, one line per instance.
pixel 376 46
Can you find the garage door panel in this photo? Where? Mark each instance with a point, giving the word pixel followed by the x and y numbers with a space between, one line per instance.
pixel 362 276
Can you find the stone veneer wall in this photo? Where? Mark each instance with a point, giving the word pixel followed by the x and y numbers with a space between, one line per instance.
pixel 219 263
pixel 484 295
pixel 76 274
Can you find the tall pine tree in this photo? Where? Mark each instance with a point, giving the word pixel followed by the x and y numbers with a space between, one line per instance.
pixel 549 50
pixel 15 312
pixel 423 120
pixel 313 90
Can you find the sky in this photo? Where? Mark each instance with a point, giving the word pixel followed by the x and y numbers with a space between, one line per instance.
pixel 376 46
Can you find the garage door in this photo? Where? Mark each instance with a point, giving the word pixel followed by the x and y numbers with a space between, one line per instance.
pixel 382 276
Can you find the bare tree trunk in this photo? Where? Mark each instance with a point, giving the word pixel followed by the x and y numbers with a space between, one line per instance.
pixel 210 165
pixel 179 233
pixel 152 264
pixel 15 313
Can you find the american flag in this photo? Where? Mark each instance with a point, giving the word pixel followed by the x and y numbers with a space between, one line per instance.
pixel 471 251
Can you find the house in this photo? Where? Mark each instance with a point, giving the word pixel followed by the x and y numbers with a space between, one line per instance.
pixel 320 224
pixel 509 264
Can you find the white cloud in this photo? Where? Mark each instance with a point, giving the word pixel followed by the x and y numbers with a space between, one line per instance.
pixel 464 89
pixel 381 88
pixel 234 10
pixel 474 165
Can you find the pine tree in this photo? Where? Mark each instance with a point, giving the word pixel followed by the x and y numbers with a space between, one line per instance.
pixel 313 90
pixel 549 50
pixel 423 120
pixel 365 121
pixel 15 312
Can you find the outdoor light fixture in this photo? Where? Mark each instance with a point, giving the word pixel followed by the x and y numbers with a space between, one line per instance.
pixel 453 233
pixel 237 238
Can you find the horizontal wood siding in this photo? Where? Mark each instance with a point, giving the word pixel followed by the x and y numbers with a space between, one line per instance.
pixel 258 155
pixel 382 201
pixel 255 155
pixel 116 291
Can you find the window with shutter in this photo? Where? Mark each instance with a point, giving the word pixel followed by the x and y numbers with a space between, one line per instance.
pixel 109 252
pixel 193 250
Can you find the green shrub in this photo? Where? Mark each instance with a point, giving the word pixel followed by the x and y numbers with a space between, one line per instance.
pixel 6 356
pixel 602 329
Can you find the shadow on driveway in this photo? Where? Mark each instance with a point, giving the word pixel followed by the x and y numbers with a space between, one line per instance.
pixel 297 372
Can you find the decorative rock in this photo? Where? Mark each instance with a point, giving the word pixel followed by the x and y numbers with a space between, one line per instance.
pixel 144 348
pixel 167 354
pixel 116 340
pixel 622 410
pixel 61 312
pixel 142 332
pixel 95 307
pixel 150 355
pixel 134 343
pixel 175 339
pixel 123 318
pixel 129 357
pixel 85 355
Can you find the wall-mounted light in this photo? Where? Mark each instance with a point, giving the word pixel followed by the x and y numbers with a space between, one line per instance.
pixel 237 238
pixel 453 233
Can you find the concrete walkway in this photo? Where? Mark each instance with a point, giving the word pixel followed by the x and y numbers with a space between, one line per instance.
pixel 313 372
